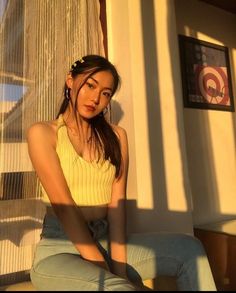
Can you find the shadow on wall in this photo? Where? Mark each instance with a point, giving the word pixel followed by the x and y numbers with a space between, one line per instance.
pixel 116 112
pixel 199 138
pixel 198 171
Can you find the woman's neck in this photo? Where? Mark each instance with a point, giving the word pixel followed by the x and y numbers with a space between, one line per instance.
pixel 77 125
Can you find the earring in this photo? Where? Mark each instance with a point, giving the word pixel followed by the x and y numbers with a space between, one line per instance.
pixel 105 111
pixel 67 94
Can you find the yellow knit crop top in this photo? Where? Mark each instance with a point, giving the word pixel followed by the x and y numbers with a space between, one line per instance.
pixel 90 183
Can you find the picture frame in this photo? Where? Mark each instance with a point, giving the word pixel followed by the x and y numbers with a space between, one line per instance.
pixel 206 77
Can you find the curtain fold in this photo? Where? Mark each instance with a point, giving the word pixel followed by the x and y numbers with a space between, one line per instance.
pixel 39 40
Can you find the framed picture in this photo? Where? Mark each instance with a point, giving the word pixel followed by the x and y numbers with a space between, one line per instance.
pixel 206 77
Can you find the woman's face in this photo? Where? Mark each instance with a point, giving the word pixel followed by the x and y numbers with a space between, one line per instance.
pixel 95 94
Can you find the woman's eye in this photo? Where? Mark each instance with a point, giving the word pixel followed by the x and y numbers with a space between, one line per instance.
pixel 90 85
pixel 106 94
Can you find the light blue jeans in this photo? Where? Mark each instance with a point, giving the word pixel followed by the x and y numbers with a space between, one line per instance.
pixel 58 266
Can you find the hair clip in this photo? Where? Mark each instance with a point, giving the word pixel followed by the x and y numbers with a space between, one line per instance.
pixel 74 65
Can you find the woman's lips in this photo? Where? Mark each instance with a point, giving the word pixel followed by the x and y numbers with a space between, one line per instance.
pixel 90 108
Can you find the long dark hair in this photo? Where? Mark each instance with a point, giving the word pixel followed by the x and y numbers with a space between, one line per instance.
pixel 106 141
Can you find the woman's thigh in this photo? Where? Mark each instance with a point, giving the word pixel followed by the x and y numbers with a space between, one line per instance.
pixel 160 253
pixel 169 254
pixel 59 267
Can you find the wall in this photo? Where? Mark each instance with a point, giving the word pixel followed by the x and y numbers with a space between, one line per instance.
pixel 142 42
pixel 182 160
pixel 210 135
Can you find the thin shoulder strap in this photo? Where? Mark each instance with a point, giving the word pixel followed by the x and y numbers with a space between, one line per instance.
pixel 60 121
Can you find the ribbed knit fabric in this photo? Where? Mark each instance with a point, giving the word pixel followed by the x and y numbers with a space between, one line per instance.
pixel 90 183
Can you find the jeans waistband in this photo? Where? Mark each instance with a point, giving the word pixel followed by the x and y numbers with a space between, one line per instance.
pixel 52 228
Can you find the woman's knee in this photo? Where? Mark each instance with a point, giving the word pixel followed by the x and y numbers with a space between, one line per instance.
pixel 192 245
pixel 190 250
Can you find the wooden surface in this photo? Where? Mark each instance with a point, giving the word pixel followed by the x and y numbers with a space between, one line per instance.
pixel 219 240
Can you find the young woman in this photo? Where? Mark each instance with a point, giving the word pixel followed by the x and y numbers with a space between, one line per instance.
pixel 82 164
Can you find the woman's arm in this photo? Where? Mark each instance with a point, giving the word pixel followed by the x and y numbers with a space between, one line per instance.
pixel 117 213
pixel 42 150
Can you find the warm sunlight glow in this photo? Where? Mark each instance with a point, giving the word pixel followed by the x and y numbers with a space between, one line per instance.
pixel 14 158
pixel 222 170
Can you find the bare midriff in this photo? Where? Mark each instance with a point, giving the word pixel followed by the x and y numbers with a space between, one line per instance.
pixel 90 213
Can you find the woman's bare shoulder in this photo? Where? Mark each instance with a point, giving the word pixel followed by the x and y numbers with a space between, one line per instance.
pixel 45 129
pixel 120 131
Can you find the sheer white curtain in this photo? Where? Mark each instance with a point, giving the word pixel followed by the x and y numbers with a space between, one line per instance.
pixel 39 40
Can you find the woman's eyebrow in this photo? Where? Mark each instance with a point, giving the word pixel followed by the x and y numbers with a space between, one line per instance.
pixel 108 88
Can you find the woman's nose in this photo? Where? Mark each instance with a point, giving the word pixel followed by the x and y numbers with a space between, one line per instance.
pixel 96 98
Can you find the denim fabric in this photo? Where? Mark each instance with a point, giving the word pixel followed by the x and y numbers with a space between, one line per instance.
pixel 58 266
